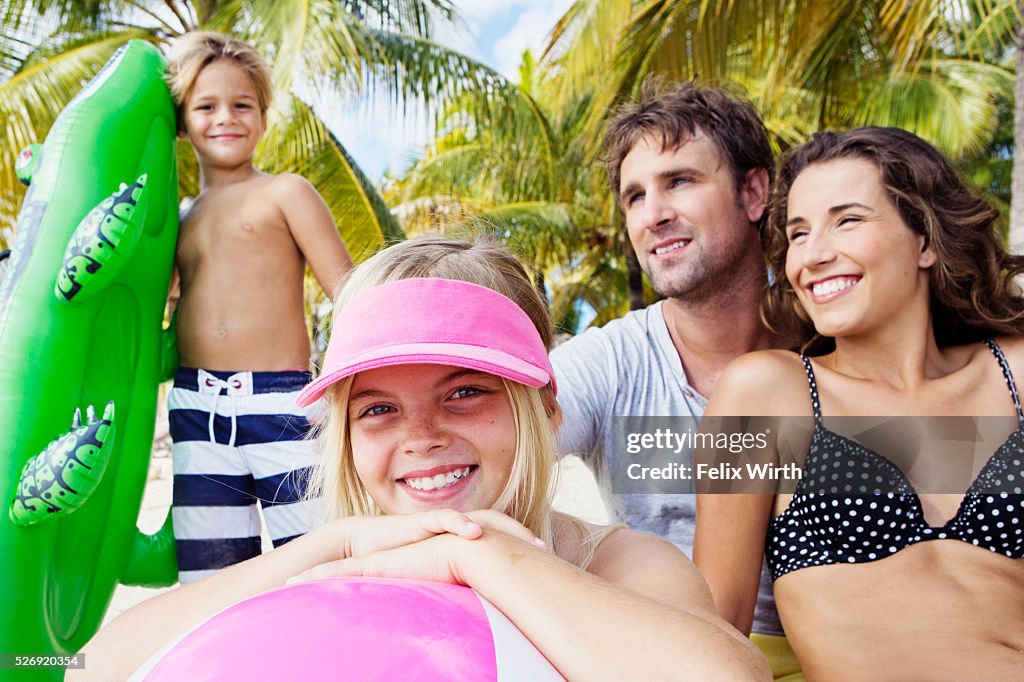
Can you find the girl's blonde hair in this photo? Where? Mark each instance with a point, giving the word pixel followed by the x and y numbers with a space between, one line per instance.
pixel 527 494
pixel 196 50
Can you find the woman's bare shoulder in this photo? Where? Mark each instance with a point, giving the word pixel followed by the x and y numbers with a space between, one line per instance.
pixel 765 382
pixel 771 363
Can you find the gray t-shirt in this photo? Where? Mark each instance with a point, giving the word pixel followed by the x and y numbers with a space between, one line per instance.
pixel 630 367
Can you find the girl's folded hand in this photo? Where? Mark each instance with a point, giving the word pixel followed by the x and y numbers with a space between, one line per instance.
pixel 437 558
pixel 366 535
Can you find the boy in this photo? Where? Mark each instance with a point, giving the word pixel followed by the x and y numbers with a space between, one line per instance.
pixel 240 262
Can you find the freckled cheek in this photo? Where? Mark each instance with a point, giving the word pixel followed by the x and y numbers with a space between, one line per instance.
pixel 507 449
pixel 368 458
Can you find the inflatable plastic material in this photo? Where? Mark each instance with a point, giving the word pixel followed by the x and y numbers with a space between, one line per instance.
pixel 62 477
pixel 78 499
pixel 354 629
pixel 103 242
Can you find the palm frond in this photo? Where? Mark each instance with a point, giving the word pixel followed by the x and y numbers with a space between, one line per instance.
pixel 953 104
pixel 458 170
pixel 306 41
pixel 994 28
pixel 542 233
pixel 582 43
pixel 915 31
pixel 413 17
pixel 297 141
pixel 407 67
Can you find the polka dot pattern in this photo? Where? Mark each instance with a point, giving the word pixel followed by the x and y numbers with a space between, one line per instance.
pixel 854 506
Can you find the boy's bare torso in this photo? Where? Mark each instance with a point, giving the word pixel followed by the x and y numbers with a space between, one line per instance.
pixel 241 278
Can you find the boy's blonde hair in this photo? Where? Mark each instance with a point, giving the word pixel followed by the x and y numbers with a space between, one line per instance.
pixel 527 494
pixel 196 50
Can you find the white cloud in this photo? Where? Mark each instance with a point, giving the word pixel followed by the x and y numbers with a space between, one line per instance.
pixel 460 36
pixel 482 10
pixel 530 32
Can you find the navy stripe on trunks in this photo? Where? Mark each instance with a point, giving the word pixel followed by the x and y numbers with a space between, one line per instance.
pixel 284 488
pixel 202 555
pixel 251 429
pixel 221 490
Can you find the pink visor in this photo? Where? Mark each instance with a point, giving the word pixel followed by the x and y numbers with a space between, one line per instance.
pixel 437 322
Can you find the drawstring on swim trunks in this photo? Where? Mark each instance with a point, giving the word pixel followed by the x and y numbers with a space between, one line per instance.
pixel 238 384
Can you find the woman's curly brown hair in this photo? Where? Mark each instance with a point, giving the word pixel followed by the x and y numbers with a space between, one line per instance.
pixel 972 288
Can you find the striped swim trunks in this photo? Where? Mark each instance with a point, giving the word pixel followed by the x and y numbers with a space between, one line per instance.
pixel 238 440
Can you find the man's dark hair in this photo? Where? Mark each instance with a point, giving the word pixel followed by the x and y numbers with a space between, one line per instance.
pixel 674 112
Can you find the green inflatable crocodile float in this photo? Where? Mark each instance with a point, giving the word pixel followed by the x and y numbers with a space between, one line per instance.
pixel 81 328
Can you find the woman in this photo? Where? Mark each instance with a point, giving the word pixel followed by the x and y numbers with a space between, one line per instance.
pixel 437 450
pixel 890 273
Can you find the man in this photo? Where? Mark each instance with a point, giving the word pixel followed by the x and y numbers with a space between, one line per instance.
pixel 690 168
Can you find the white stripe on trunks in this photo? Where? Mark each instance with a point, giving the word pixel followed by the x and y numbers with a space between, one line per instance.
pixel 186 577
pixel 261 459
pixel 215 523
pixel 286 520
pixel 260 403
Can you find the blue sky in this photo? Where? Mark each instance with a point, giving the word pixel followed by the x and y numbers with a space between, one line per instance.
pixel 495 32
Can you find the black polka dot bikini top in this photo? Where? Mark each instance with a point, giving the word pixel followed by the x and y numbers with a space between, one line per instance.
pixel 858 523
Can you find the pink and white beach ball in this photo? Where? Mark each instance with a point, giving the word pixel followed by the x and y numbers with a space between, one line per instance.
pixel 354 629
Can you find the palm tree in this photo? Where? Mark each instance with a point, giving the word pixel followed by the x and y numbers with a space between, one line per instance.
pixel 525 183
pixel 933 66
pixel 335 48
pixel 1017 203
pixel 805 65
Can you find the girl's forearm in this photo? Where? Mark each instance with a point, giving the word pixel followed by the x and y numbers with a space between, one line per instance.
pixel 591 629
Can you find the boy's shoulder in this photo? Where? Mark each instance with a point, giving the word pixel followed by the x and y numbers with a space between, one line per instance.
pixel 283 182
pixel 278 188
pixel 287 181
pixel 266 201
pixel 289 190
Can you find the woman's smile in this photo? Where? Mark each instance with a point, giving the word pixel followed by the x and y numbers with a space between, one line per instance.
pixel 827 289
